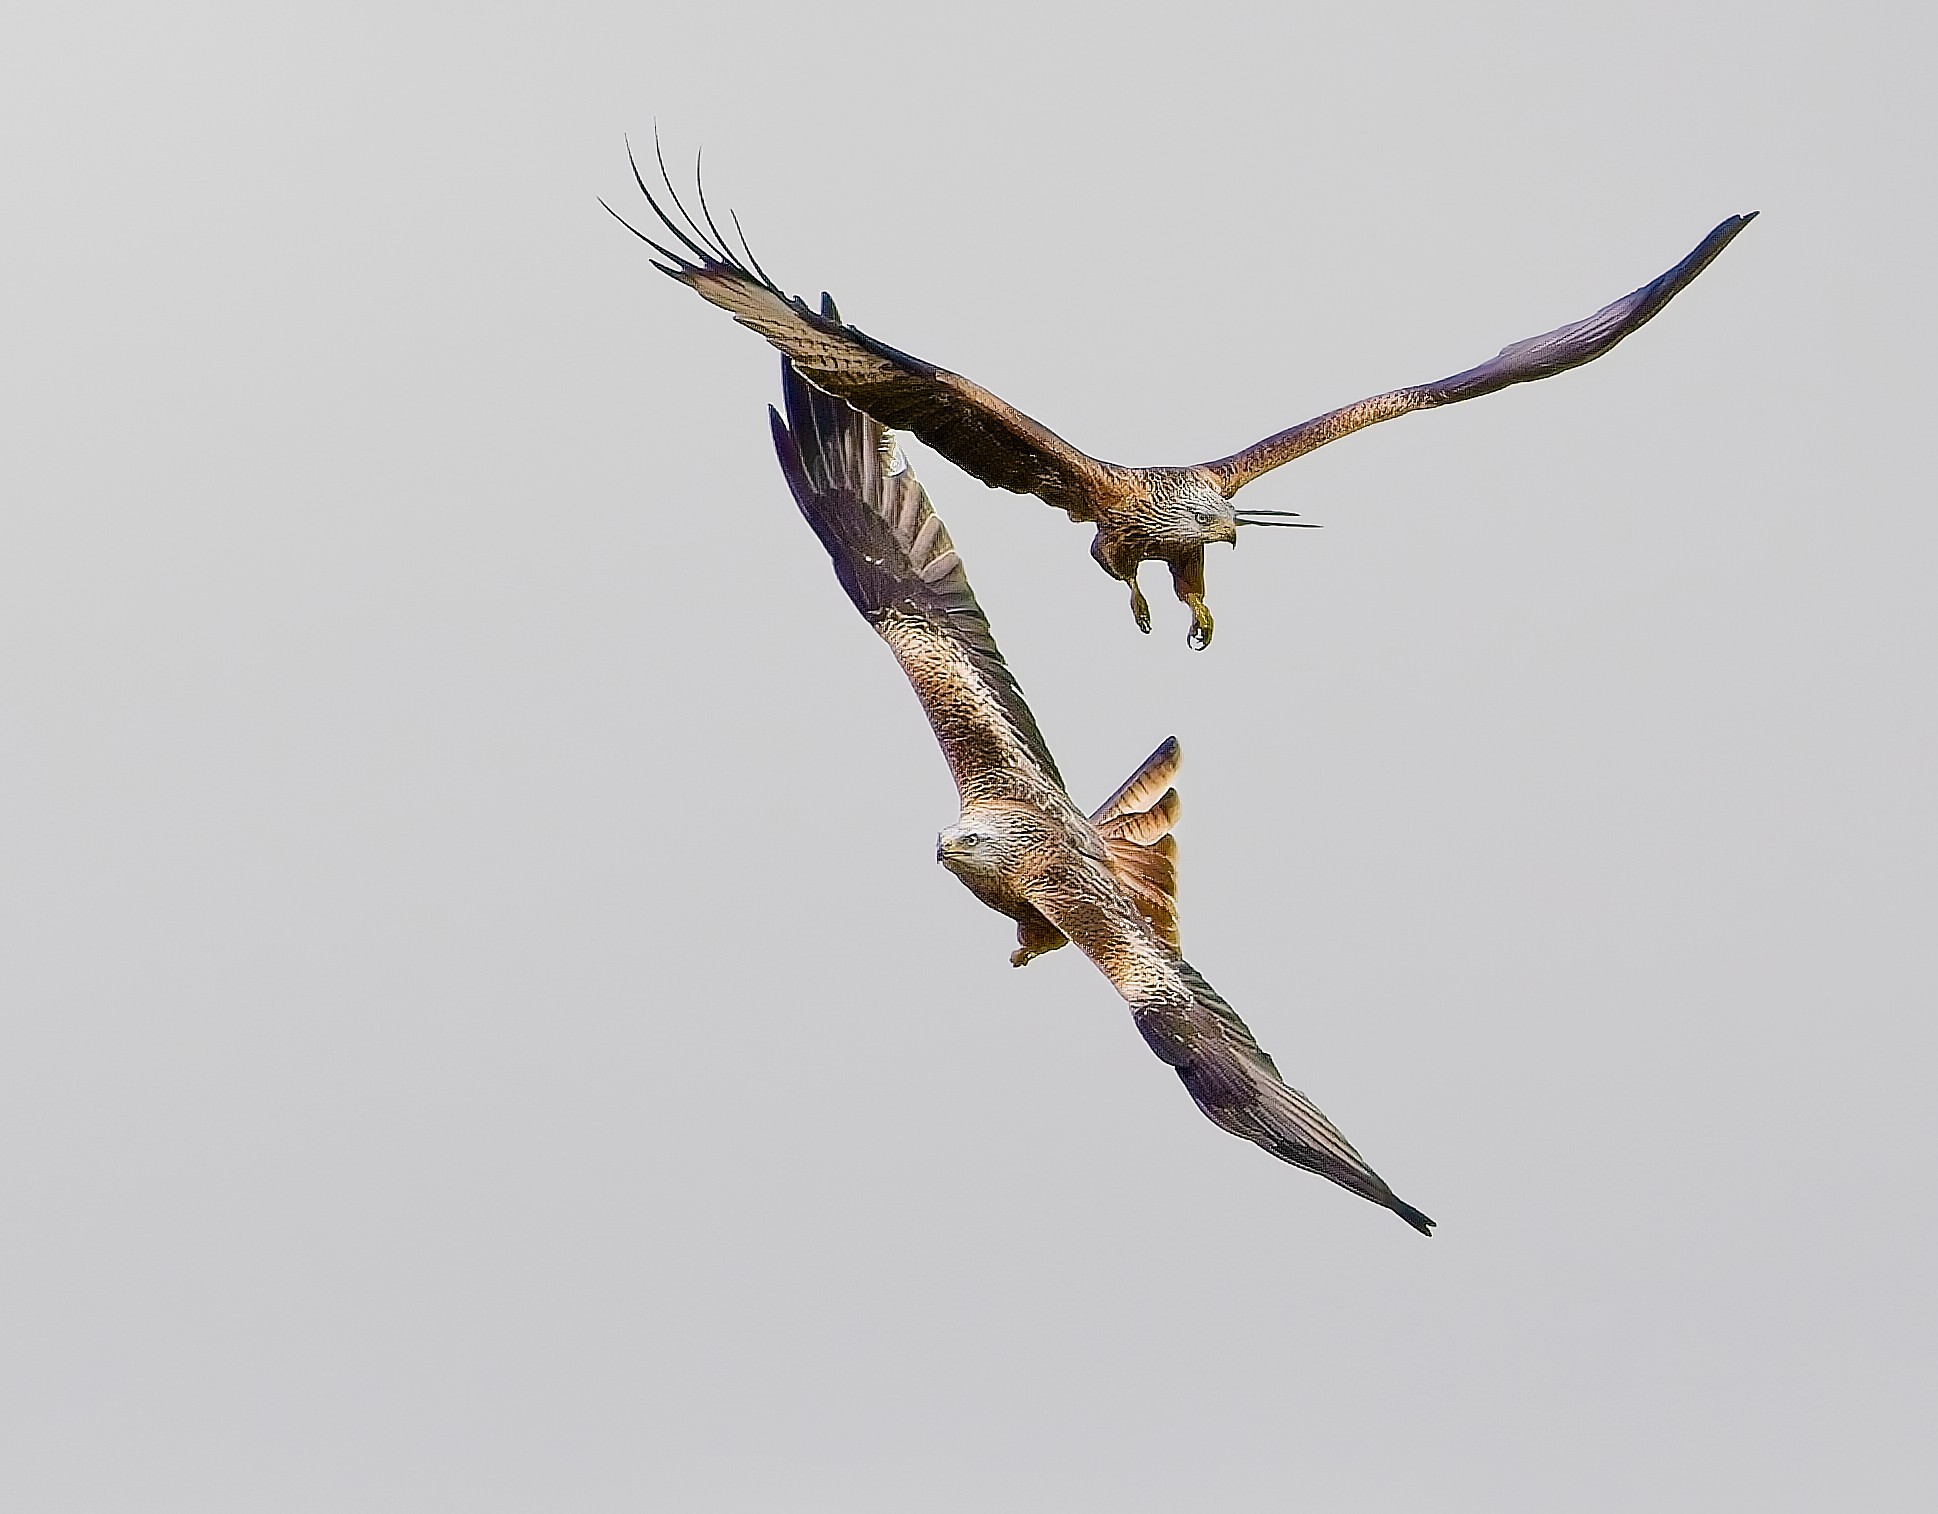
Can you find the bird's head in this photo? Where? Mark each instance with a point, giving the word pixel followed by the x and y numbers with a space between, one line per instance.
pixel 991 840
pixel 1189 511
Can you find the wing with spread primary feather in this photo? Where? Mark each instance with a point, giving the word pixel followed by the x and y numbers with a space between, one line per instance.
pixel 893 555
pixel 979 433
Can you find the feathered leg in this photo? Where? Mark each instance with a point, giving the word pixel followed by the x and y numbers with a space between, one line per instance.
pixel 1127 572
pixel 1188 581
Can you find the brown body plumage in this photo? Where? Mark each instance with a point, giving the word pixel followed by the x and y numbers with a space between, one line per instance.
pixel 1167 514
pixel 1105 881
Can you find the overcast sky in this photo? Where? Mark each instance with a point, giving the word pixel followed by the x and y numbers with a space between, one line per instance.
pixel 484 1029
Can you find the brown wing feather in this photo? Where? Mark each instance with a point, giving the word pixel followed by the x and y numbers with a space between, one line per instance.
pixel 893 555
pixel 1538 357
pixel 988 438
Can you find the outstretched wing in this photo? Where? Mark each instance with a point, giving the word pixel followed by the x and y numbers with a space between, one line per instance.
pixel 1228 1075
pixel 1238 1086
pixel 1538 357
pixel 893 556
pixel 967 424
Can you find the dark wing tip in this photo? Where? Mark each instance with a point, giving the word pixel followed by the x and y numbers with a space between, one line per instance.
pixel 1412 1216
pixel 707 250
pixel 793 467
pixel 1582 341
pixel 1726 229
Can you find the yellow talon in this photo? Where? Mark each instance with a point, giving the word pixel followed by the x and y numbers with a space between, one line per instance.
pixel 1199 636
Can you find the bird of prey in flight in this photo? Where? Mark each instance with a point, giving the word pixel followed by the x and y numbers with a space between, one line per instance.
pixel 1106 881
pixel 1141 514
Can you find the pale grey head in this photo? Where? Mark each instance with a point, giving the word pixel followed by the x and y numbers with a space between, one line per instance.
pixel 991 841
pixel 1188 510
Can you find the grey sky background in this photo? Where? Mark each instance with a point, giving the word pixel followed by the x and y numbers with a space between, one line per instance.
pixel 484 1029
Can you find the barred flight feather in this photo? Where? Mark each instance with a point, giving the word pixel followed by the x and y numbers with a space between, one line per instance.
pixel 1152 778
pixel 1145 826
